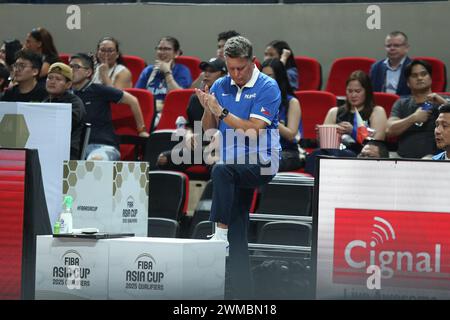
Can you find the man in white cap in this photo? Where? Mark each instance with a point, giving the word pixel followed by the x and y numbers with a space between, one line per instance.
pixel 59 81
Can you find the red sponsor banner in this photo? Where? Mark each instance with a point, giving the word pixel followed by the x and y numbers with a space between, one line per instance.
pixel 411 248
pixel 12 187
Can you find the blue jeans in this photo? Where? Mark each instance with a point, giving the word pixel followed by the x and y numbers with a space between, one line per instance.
pixel 233 187
pixel 106 152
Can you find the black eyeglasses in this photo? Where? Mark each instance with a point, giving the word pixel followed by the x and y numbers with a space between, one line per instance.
pixel 163 49
pixel 77 67
pixel 21 66
pixel 107 50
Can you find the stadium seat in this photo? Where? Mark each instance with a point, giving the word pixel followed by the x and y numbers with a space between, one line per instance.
pixel 162 227
pixel 175 105
pixel 125 125
pixel 193 63
pixel 159 141
pixel 341 69
pixel 439 73
pixel 64 57
pixel 287 198
pixel 257 63
pixel 168 194
pixel 202 230
pixel 290 233
pixel 135 64
pixel 315 105
pixel 386 100
pixel 310 73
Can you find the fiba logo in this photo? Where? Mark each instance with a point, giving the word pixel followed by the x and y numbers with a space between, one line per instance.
pixel 388 254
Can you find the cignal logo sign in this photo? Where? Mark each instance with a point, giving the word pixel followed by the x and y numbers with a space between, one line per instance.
pixel 411 249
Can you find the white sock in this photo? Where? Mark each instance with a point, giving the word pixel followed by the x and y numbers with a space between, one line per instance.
pixel 221 232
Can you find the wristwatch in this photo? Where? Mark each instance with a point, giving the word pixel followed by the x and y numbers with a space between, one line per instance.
pixel 224 113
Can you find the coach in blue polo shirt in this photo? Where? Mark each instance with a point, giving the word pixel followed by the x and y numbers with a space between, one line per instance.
pixel 243 106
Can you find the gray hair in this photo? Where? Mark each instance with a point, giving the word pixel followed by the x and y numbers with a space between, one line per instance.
pixel 238 47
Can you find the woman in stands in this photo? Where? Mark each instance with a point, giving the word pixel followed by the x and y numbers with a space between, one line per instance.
pixel 39 40
pixel 290 123
pixel 165 75
pixel 110 69
pixel 359 96
pixel 280 50
pixel 8 52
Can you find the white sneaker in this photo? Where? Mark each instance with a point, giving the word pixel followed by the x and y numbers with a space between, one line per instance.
pixel 219 236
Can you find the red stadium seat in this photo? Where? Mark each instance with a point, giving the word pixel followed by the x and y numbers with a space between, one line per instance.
pixel 64 57
pixel 193 63
pixel 386 100
pixel 257 63
pixel 175 105
pixel 341 69
pixel 135 64
pixel 124 123
pixel 315 105
pixel 439 73
pixel 310 73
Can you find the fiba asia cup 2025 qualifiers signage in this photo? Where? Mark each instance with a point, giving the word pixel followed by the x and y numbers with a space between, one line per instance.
pixel 71 268
pixel 383 230
pixel 110 196
pixel 160 268
pixel 129 268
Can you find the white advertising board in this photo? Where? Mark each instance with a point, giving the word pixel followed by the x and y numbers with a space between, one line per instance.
pixel 45 127
pixel 162 268
pixel 110 196
pixel 383 229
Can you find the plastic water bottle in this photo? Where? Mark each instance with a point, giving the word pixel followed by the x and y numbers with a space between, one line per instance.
pixel 65 218
pixel 180 122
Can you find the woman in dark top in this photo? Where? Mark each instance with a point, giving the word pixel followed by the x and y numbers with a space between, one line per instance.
pixel 290 115
pixel 280 50
pixel 39 40
pixel 359 96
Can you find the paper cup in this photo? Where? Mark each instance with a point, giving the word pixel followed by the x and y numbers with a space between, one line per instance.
pixel 329 137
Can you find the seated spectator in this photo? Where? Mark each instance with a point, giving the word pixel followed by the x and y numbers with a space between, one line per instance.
pixel 59 81
pixel 387 75
pixel 413 119
pixel 110 69
pixel 374 149
pixel 8 52
pixel 214 69
pixel 442 133
pixel 221 39
pixel 165 75
pixel 40 41
pixel 103 143
pixel 359 97
pixel 290 117
pixel 281 50
pixel 25 73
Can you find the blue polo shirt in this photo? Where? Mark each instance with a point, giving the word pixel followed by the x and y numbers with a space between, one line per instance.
pixel 259 98
pixel 158 86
